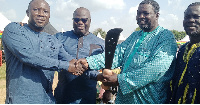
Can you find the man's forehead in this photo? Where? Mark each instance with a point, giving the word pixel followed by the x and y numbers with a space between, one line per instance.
pixel 192 9
pixel 82 12
pixel 145 7
pixel 39 3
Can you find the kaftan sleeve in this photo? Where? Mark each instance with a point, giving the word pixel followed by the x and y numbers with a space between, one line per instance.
pixel 98 61
pixel 152 70
pixel 15 38
pixel 92 74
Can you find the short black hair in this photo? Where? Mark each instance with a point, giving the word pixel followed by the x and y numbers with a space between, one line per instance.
pixel 153 3
pixel 195 4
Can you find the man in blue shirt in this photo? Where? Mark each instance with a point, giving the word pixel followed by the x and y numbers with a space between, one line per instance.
pixel 29 52
pixel 79 43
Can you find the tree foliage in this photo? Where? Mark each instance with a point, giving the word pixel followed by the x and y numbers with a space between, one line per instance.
pixel 137 29
pixel 99 30
pixel 178 35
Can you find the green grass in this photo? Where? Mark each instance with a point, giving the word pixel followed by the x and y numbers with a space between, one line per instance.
pixel 3 71
pixel 3 83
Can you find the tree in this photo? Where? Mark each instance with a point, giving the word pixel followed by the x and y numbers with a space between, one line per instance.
pixel 99 30
pixel 178 35
pixel 138 29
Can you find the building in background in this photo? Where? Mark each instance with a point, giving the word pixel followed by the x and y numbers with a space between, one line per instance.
pixel 184 40
pixel 3 23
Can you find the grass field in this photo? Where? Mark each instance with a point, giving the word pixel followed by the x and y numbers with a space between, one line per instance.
pixel 2 84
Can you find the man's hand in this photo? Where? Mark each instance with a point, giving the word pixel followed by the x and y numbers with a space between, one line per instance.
pixel 110 80
pixel 75 68
pixel 84 63
pixel 107 96
pixel 22 24
pixel 100 77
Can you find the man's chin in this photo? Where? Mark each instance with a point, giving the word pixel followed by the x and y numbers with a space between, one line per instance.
pixel 144 27
pixel 79 32
pixel 39 26
pixel 194 34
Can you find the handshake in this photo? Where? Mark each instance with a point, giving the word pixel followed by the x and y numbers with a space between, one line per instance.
pixel 77 67
pixel 108 77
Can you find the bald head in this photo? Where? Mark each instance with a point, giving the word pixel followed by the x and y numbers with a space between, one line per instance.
pixel 82 11
pixel 36 1
pixel 81 21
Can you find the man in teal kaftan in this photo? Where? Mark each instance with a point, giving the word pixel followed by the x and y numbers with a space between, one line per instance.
pixel 147 59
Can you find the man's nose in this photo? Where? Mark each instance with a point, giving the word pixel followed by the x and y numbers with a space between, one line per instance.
pixel 41 13
pixel 191 19
pixel 80 22
pixel 141 15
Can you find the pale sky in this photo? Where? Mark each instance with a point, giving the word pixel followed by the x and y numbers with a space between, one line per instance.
pixel 106 14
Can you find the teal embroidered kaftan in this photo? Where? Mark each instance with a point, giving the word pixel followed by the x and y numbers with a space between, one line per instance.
pixel 146 79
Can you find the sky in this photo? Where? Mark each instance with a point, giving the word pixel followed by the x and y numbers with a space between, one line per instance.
pixel 105 14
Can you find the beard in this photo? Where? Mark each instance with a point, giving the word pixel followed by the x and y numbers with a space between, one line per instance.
pixel 144 27
pixel 194 33
pixel 144 24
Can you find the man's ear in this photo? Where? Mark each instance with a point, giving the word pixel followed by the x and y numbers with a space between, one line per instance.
pixel 89 20
pixel 157 15
pixel 27 12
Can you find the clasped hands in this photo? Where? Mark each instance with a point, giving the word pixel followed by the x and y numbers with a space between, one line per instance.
pixel 108 78
pixel 77 67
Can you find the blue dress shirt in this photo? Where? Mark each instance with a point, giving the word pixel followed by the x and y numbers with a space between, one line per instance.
pixel 82 89
pixel 29 55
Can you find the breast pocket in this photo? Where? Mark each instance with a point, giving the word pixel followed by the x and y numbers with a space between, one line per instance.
pixel 95 49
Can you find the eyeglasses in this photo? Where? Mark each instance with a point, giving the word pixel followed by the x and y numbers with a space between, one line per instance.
pixel 84 20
